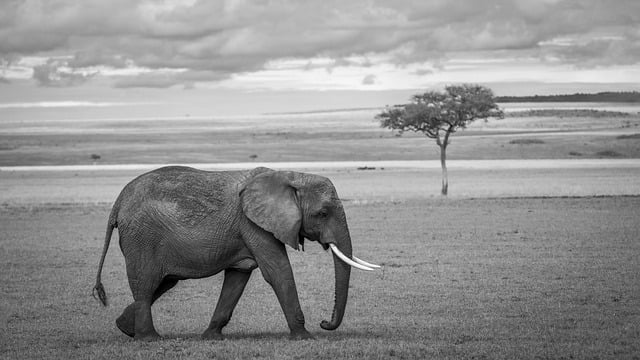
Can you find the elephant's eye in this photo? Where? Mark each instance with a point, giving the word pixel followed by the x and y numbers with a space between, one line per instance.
pixel 323 213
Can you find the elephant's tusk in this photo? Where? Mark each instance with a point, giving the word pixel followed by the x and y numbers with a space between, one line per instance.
pixel 362 262
pixel 344 258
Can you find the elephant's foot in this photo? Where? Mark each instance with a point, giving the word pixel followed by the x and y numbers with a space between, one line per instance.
pixel 127 321
pixel 212 334
pixel 143 329
pixel 126 326
pixel 301 335
pixel 152 336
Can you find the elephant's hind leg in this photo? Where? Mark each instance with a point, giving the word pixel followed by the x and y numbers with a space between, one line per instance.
pixel 232 288
pixel 144 279
pixel 126 322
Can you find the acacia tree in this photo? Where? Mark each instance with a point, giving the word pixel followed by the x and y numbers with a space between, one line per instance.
pixel 440 114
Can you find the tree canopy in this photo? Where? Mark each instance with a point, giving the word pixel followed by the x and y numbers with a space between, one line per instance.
pixel 434 112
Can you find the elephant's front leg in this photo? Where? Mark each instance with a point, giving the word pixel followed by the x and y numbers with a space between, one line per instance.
pixel 232 288
pixel 285 289
pixel 274 264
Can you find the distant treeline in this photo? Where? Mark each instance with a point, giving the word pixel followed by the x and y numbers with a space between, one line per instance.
pixel 562 113
pixel 624 96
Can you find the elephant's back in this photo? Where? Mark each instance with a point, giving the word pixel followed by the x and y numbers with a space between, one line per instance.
pixel 176 195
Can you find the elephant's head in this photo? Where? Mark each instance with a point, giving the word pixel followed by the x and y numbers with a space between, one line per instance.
pixel 294 206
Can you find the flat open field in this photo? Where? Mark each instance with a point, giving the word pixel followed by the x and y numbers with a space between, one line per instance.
pixel 483 278
pixel 534 259
pixel 349 135
pixel 603 178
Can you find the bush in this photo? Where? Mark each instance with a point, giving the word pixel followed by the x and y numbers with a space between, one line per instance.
pixel 609 154
pixel 526 141
pixel 631 136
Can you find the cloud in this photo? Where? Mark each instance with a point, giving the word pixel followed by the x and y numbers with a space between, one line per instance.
pixel 369 80
pixel 597 51
pixel 159 81
pixel 234 36
pixel 56 74
pixel 167 79
pixel 86 58
pixel 423 72
pixel 65 104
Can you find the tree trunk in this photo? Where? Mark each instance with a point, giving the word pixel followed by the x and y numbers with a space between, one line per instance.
pixel 443 162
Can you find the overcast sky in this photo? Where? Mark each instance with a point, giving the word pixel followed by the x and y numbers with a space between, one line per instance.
pixel 309 54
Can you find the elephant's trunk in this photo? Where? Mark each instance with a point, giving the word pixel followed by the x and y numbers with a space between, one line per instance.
pixel 343 274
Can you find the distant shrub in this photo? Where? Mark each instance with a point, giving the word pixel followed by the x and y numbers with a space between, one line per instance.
pixel 575 153
pixel 631 136
pixel 526 141
pixel 609 154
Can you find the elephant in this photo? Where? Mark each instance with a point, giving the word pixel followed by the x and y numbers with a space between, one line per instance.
pixel 178 222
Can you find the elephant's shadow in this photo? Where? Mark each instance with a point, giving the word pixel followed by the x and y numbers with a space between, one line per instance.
pixel 354 334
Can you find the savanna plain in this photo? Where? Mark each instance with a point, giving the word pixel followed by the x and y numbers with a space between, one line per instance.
pixel 517 262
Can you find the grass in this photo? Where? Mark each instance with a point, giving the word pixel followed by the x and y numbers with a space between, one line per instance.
pixel 463 278
pixel 484 278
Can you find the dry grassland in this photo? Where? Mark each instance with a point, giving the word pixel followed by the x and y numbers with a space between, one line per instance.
pixel 351 135
pixel 517 263
pixel 486 278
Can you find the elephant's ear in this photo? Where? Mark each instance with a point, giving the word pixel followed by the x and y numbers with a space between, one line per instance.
pixel 269 200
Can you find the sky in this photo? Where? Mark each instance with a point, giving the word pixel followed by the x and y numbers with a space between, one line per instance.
pixel 192 57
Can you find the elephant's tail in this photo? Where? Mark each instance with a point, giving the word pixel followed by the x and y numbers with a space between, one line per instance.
pixel 98 290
